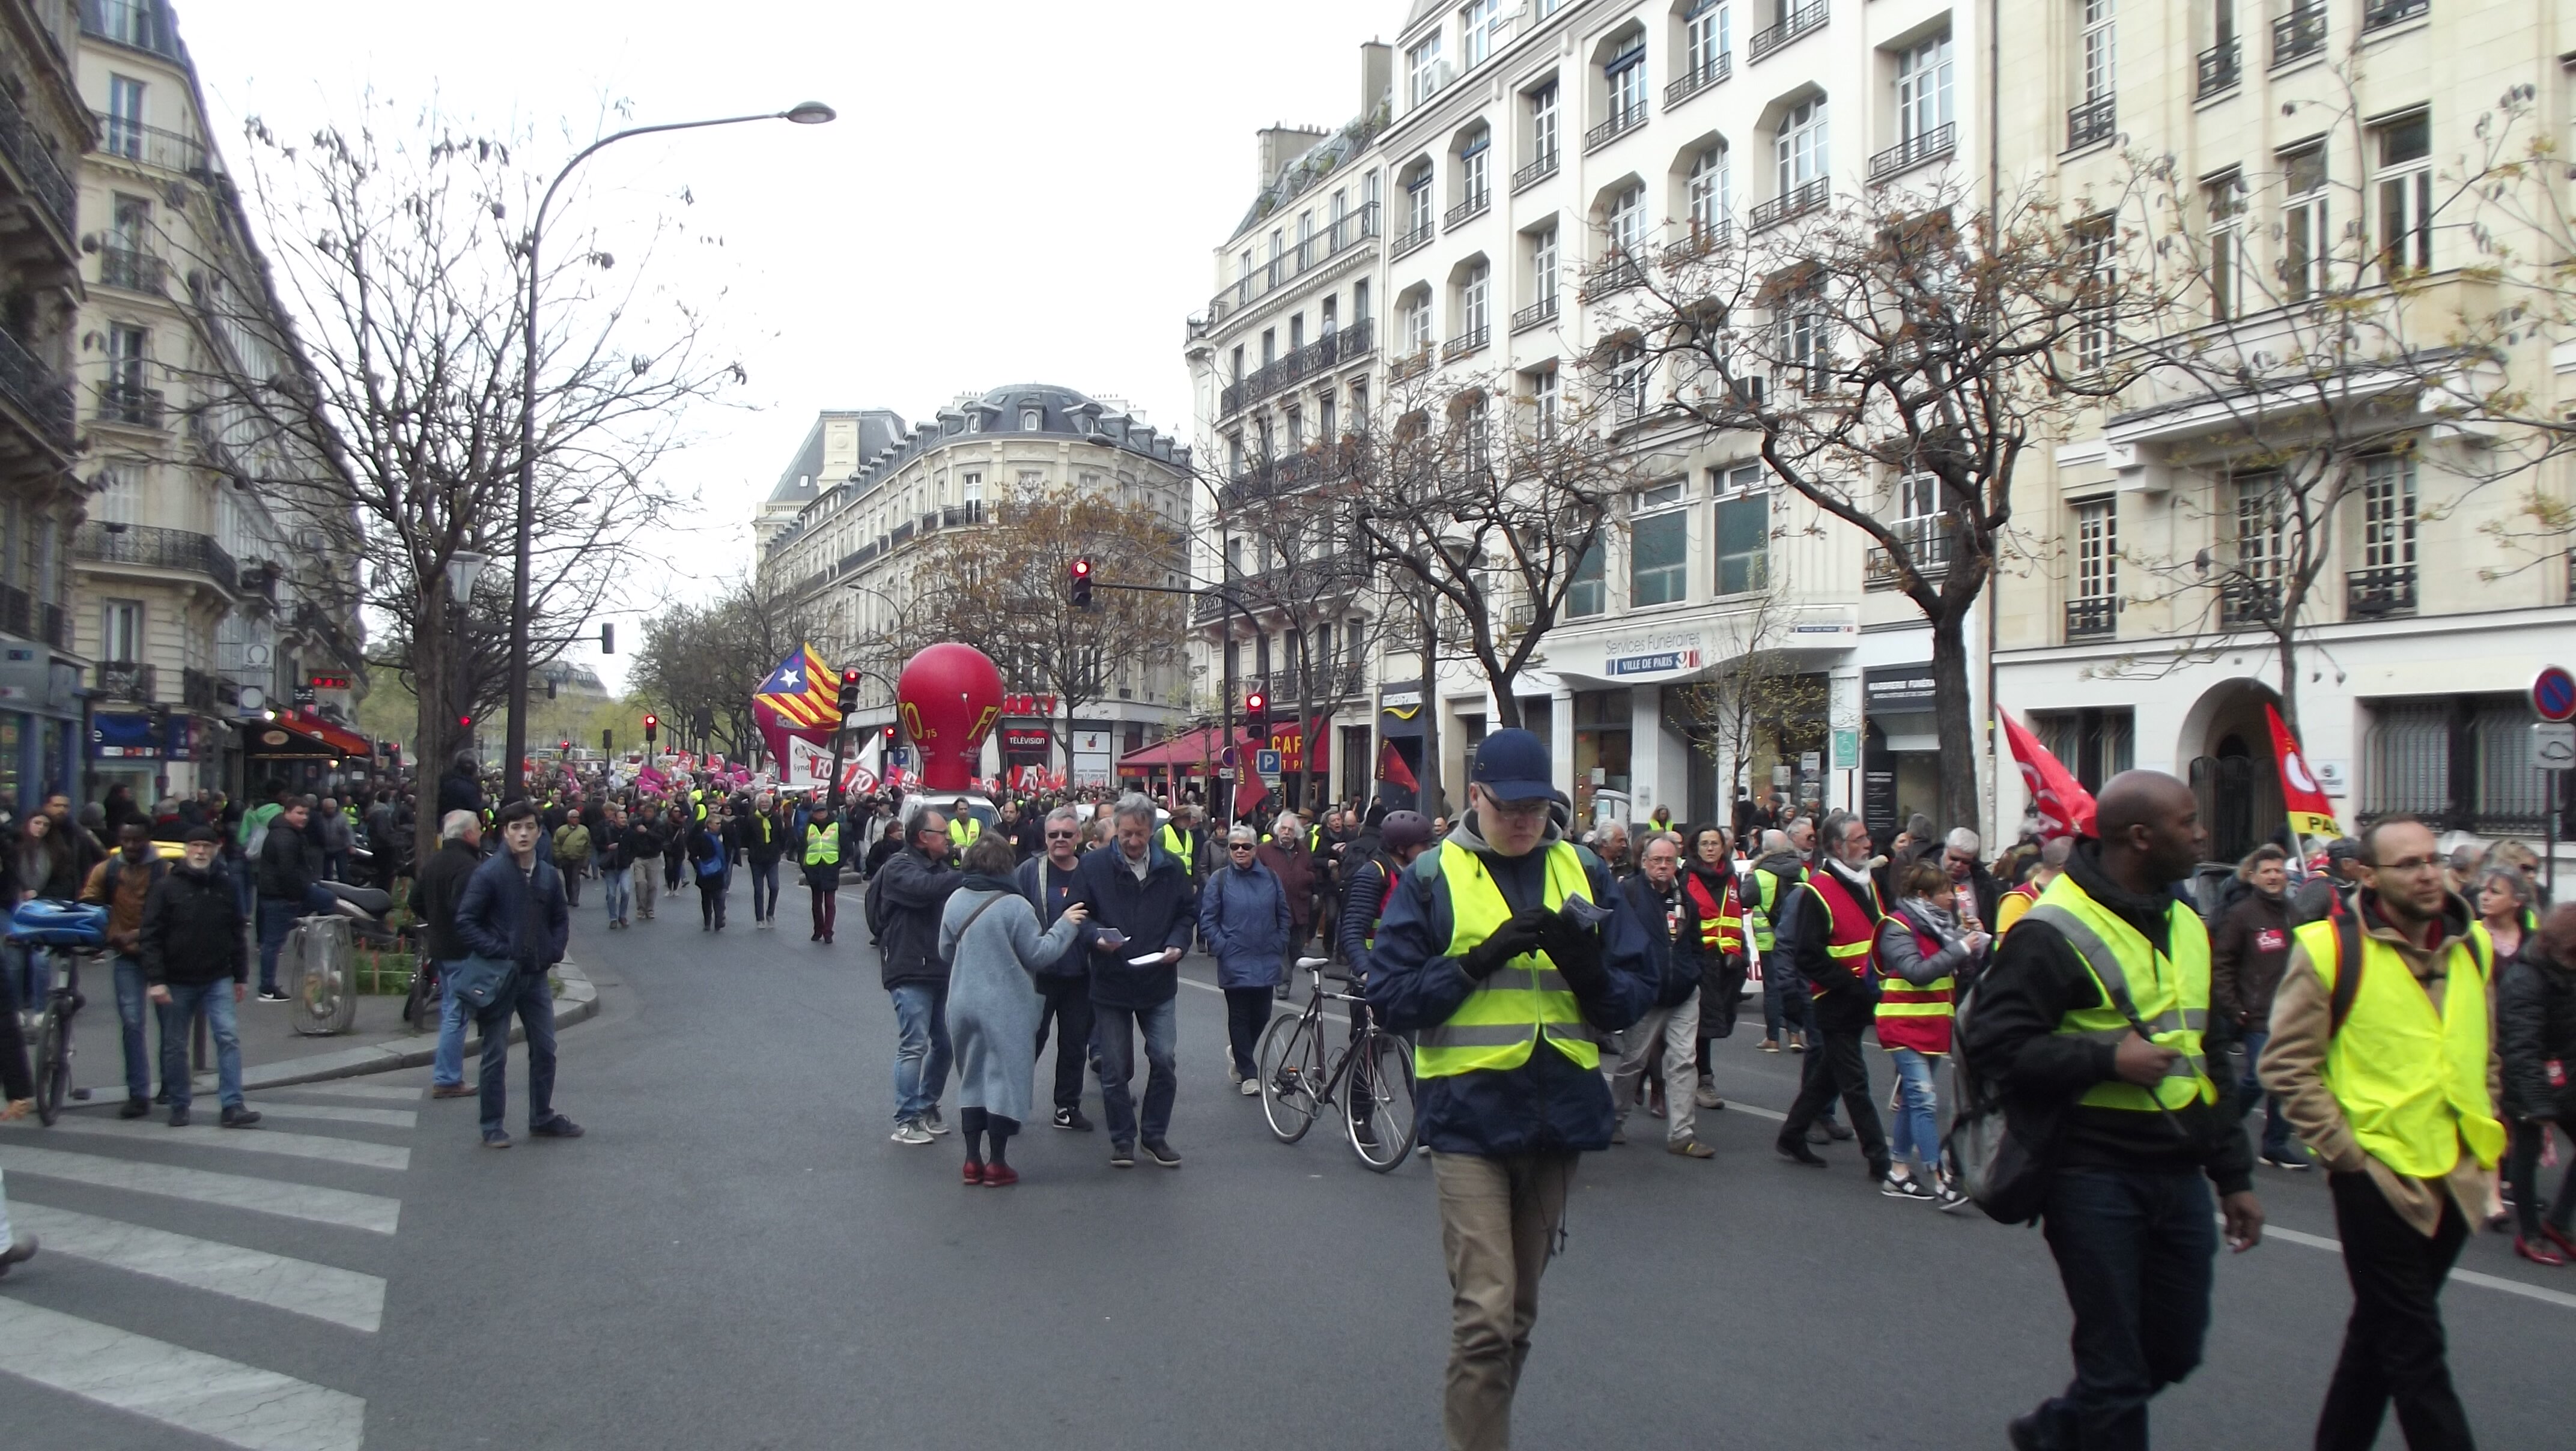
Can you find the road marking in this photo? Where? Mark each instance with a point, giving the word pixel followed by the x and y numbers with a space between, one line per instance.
pixel 299 1287
pixel 391 1118
pixel 1293 1009
pixel 2559 1298
pixel 245 1141
pixel 239 1405
pixel 370 1212
pixel 357 1090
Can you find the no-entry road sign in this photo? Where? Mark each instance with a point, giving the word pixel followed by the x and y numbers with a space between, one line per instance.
pixel 2553 693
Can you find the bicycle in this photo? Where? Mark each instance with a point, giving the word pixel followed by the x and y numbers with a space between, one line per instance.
pixel 1375 1068
pixel 54 1031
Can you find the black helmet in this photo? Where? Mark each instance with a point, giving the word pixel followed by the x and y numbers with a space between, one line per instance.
pixel 1403 829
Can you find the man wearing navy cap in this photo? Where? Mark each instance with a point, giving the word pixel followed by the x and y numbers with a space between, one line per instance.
pixel 1509 956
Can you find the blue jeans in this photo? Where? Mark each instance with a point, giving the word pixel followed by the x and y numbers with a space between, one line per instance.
pixel 619 890
pixel 1918 1111
pixel 276 919
pixel 217 999
pixel 2249 1092
pixel 2135 1250
pixel 764 890
pixel 130 1000
pixel 1112 1033
pixel 447 1060
pixel 921 1048
pixel 534 1002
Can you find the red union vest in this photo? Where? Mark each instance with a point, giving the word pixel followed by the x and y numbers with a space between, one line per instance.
pixel 1917 1017
pixel 1721 917
pixel 1851 926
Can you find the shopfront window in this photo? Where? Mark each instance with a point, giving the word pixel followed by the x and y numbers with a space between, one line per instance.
pixel 1602 725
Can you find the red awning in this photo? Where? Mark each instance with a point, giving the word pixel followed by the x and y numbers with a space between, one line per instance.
pixel 346 742
pixel 1202 749
pixel 302 737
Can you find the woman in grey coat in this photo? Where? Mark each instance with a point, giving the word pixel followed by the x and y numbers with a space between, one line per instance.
pixel 989 934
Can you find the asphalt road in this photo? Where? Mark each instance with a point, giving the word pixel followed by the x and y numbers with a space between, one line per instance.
pixel 737 1257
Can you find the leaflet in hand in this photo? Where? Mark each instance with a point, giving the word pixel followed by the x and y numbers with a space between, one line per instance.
pixel 1148 960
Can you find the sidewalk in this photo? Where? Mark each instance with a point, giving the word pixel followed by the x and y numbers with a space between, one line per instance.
pixel 274 1054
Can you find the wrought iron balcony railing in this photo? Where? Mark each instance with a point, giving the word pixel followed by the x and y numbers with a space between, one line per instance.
pixel 45 175
pixel 126 680
pixel 2370 594
pixel 33 389
pixel 2299 34
pixel 1621 122
pixel 1355 229
pixel 149 546
pixel 133 269
pixel 1615 273
pixel 2221 66
pixel 2090 123
pixel 1541 311
pixel 129 403
pixel 1711 71
pixel 1330 351
pixel 1470 341
pixel 1805 20
pixel 1537 171
pixel 1478 202
pixel 2092 619
pixel 1411 242
pixel 2247 602
pixel 131 140
pixel 1914 150
pixel 1795 202
pixel 2380 14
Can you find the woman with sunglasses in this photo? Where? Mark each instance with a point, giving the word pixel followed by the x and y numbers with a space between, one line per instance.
pixel 1244 921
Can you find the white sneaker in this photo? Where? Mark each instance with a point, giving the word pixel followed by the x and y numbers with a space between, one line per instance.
pixel 910 1131
pixel 1252 1088
pixel 931 1120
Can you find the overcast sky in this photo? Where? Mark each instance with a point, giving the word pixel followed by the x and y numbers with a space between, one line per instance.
pixel 1015 191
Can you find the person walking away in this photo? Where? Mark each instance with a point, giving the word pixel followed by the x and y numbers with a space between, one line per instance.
pixel 911 892
pixel 1485 953
pixel 677 824
pixel 2248 951
pixel 1670 923
pixel 820 859
pixel 287 890
pixel 1143 910
pixel 1718 897
pixel 194 960
pixel 1923 952
pixel 1836 951
pixel 764 841
pixel 2382 1055
pixel 643 858
pixel 996 949
pixel 1288 857
pixel 121 883
pixel 436 893
pixel 2089 1024
pixel 2052 864
pixel 888 843
pixel 513 911
pixel 1775 874
pixel 2536 1038
pixel 572 852
pixel 1369 881
pixel 1245 923
pixel 707 860
pixel 616 883
pixel 1049 882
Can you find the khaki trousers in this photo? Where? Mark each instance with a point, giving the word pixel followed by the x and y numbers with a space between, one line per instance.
pixel 1678 1029
pixel 1498 1223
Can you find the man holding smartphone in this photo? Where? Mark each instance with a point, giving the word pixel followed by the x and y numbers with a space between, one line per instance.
pixel 1493 949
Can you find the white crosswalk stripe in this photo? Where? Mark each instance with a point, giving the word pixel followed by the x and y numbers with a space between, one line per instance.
pixel 65 1185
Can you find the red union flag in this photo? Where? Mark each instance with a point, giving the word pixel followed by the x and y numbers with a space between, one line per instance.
pixel 2065 808
pixel 2311 814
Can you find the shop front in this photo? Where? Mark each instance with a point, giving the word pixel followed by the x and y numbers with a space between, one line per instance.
pixel 41 732
pixel 149 754
pixel 1900 746
pixel 1399 727
pixel 306 755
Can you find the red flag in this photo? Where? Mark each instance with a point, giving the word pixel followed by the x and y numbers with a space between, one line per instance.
pixel 1392 770
pixel 2065 808
pixel 2311 814
pixel 1248 793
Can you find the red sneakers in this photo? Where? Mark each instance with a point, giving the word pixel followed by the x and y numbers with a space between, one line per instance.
pixel 2538 1252
pixel 975 1173
pixel 1000 1176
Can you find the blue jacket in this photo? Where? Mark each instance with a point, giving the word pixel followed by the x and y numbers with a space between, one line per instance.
pixel 1243 920
pixel 1156 914
pixel 1549 1104
pixel 493 913
pixel 1051 891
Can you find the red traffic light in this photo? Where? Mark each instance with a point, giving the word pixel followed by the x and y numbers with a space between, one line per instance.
pixel 1081 568
pixel 849 677
pixel 889 735
pixel 465 722
pixel 651 721
pixel 563 745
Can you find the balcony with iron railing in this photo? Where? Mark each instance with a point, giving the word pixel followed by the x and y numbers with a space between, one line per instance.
pixel 147 546
pixel 1927 545
pixel 1537 171
pixel 1541 311
pixel 32 388
pixel 2380 14
pixel 1708 73
pixel 1700 239
pixel 131 140
pixel 1264 478
pixel 1410 365
pixel 1412 240
pixel 2373 594
pixel 129 403
pixel 1476 204
pixel 2299 34
pixel 1472 340
pixel 128 681
pixel 1621 122
pixel 2221 67
pixel 2091 123
pixel 1914 150
pixel 2092 619
pixel 2248 602
pixel 1797 201
pixel 1615 273
pixel 1327 352
pixel 1335 241
pixel 1322 685
pixel 45 178
pixel 953 515
pixel 1805 20
pixel 1287 587
pixel 203 692
pixel 132 269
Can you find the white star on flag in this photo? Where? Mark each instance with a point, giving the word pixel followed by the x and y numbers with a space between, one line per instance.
pixel 787 679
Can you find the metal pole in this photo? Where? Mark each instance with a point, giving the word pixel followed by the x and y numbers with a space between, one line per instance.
pixel 1223 790
pixel 2549 860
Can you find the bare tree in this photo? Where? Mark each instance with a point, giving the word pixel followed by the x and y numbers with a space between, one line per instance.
pixel 1763 693
pixel 705 662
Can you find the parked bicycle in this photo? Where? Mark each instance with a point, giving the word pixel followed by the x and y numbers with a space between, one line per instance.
pixel 1371 1074
pixel 65 933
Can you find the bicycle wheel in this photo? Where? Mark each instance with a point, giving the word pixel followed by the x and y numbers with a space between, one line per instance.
pixel 53 1065
pixel 1292 1072
pixel 1381 1102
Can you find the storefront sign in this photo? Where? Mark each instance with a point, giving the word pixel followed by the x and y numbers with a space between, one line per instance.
pixel 1846 750
pixel 1894 688
pixel 1025 738
pixel 1656 664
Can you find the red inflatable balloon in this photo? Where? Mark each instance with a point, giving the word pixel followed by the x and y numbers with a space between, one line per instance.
pixel 949 696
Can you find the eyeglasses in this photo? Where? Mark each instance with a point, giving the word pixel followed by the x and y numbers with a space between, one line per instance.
pixel 2409 865
pixel 1519 810
pixel 1062 835
pixel 1238 846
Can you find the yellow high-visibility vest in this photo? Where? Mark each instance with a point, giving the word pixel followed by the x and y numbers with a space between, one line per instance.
pixel 2169 989
pixel 1522 1002
pixel 2412 1082
pixel 963 830
pixel 1173 843
pixel 822 845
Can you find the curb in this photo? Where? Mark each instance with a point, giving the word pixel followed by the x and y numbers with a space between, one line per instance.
pixel 578 1002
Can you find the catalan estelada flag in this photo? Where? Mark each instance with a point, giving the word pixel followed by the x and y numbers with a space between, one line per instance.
pixel 801 697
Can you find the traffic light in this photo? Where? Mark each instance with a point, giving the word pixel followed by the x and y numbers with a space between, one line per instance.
pixel 1256 714
pixel 607 742
pixel 1082 584
pixel 652 723
pixel 607 639
pixel 889 735
pixel 564 746
pixel 465 722
pixel 849 693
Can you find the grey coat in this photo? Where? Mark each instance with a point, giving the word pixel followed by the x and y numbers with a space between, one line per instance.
pixel 992 1003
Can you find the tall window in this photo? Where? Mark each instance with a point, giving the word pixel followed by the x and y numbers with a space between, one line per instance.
pixel 2405 195
pixel 120 634
pixel 1923 89
pixel 1473 295
pixel 1708 198
pixel 1626 231
pixel 1626 73
pixel 1630 372
pixel 1743 531
pixel 1474 178
pixel 127 347
pixel 119 496
pixel 1476 26
pixel 2098 279
pixel 1327 426
pixel 1799 148
pixel 1545 398
pixel 2261 529
pixel 1583 597
pixel 1659 549
pixel 2388 513
pixel 2224 199
pixel 2305 242
pixel 1918 520
pixel 2101 50
pixel 1542 116
pixel 124 117
pixel 1360 303
pixel 2097 550
pixel 1422 66
pixel 1417 326
pixel 1704 39
pixel 1543 264
pixel 1417 200
pixel 1806 340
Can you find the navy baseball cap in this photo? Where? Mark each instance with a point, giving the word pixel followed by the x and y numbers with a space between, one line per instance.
pixel 1512 766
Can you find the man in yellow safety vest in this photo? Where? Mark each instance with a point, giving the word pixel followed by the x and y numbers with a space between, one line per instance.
pixel 1510 958
pixel 2383 1057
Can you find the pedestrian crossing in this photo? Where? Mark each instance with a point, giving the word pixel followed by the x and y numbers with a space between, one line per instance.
pixel 135 1213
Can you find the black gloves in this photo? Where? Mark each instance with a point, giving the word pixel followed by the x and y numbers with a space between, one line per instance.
pixel 1521 935
pixel 1576 951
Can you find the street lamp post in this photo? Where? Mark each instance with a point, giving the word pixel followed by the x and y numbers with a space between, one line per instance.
pixel 804 113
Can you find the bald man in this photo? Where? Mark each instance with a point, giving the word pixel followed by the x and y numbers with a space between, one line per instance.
pixel 2091 1021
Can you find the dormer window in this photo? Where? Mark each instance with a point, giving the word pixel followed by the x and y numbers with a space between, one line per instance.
pixel 1032 420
